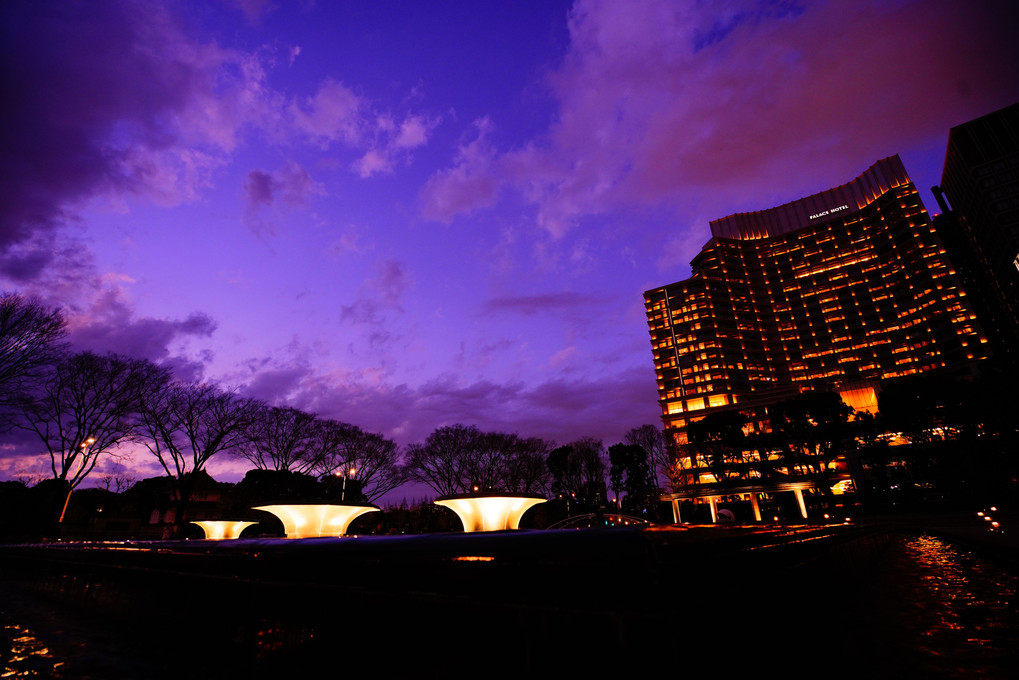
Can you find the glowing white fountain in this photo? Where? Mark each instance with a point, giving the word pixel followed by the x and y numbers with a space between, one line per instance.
pixel 492 512
pixel 310 521
pixel 218 530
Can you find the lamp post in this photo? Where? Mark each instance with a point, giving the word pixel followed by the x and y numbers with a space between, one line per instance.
pixel 343 488
pixel 81 463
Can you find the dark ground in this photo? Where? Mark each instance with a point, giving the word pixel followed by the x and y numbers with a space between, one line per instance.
pixel 800 601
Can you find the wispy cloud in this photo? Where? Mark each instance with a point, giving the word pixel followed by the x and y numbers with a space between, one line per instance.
pixel 393 144
pixel 117 101
pixel 703 104
pixel 532 305
pixel 470 185
pixel 287 188
pixel 109 103
pixel 378 302
pixel 559 410
pixel 333 114
pixel 108 323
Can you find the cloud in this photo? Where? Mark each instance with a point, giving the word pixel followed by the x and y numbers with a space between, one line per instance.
pixel 374 162
pixel 280 191
pixel 558 410
pixel 392 281
pixel 110 325
pixel 470 185
pixel 378 300
pixel 24 261
pixel 700 104
pixel 258 188
pixel 393 144
pixel 332 114
pixel 254 10
pixel 384 290
pixel 414 132
pixel 291 185
pixel 274 380
pixel 113 99
pixel 116 101
pixel 347 243
pixel 533 305
pixel 98 309
pixel 563 358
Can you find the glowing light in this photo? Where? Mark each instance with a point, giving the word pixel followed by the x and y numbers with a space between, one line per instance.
pixel 489 513
pixel 311 521
pixel 861 399
pixel 474 558
pixel 218 530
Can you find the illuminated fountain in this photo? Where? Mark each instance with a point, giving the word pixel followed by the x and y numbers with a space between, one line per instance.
pixel 310 521
pixel 218 530
pixel 490 511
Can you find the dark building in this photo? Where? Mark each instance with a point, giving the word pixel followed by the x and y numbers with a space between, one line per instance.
pixel 980 221
pixel 841 291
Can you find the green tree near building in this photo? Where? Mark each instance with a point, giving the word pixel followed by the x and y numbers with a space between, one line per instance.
pixel 813 430
pixel 719 440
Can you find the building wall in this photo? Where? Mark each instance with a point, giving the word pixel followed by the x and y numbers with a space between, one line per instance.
pixel 841 290
pixel 981 182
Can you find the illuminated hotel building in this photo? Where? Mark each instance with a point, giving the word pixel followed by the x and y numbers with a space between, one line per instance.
pixel 840 291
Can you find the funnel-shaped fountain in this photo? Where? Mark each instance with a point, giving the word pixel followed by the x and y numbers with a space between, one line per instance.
pixel 490 511
pixel 311 521
pixel 218 530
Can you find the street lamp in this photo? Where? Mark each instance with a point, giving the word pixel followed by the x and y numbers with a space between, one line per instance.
pixel 343 488
pixel 81 463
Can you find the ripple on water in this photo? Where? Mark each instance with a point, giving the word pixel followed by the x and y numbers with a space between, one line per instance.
pixel 26 656
pixel 956 611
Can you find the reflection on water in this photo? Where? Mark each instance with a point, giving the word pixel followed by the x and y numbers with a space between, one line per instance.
pixel 956 612
pixel 26 656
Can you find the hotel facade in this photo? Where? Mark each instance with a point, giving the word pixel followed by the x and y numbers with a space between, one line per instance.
pixel 840 291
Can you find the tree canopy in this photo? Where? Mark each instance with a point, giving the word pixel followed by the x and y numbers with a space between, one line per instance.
pixel 30 343
pixel 86 407
pixel 460 459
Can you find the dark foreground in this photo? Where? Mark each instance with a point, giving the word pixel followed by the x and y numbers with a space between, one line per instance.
pixel 840 601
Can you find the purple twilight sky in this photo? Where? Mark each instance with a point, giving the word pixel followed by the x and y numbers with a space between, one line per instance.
pixel 412 214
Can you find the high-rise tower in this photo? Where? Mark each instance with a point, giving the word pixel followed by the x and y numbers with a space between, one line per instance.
pixel 980 227
pixel 840 290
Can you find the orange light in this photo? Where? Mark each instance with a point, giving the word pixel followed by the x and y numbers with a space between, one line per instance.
pixel 218 530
